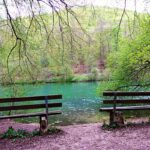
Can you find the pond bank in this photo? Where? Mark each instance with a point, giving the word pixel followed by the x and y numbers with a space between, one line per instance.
pixel 82 137
pixel 49 81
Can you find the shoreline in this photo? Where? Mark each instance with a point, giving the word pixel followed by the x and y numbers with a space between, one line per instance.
pixel 47 82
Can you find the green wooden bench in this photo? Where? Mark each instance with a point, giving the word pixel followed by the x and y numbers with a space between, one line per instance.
pixel 124 101
pixel 43 103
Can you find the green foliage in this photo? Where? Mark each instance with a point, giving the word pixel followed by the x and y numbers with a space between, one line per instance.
pixel 53 130
pixel 111 126
pixel 82 77
pixel 130 65
pixel 95 74
pixel 51 55
pixel 11 133
pixel 39 54
pixel 106 86
pixel 131 61
pixel 44 61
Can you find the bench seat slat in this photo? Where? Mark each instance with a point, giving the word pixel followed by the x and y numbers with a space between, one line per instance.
pixel 132 101
pixel 30 115
pixel 35 106
pixel 144 107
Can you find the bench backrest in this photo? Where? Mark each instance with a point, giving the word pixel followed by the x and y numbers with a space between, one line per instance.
pixel 16 103
pixel 118 93
pixel 143 98
pixel 139 97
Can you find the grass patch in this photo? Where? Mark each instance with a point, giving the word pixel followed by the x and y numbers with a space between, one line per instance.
pixel 111 126
pixel 81 77
pixel 11 133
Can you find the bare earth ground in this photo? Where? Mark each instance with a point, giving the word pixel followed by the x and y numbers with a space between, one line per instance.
pixel 80 137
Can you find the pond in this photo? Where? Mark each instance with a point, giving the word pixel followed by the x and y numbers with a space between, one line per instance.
pixel 80 101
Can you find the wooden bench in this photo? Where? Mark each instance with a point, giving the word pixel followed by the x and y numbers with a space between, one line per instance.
pixel 126 101
pixel 36 102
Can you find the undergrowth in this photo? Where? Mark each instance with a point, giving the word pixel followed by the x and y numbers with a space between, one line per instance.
pixel 111 126
pixel 128 124
pixel 11 133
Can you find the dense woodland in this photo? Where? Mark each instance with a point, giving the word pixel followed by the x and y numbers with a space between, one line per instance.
pixel 78 44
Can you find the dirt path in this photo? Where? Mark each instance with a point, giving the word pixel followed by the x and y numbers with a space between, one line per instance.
pixel 81 137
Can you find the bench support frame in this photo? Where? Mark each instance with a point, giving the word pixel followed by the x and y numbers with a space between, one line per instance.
pixel 43 125
pixel 116 118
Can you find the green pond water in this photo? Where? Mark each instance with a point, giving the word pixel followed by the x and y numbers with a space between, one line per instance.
pixel 80 101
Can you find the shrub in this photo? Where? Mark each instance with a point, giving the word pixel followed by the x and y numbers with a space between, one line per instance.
pixel 11 133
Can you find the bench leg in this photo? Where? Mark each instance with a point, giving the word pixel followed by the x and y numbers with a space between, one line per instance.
pixel 111 119
pixel 116 118
pixel 43 125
